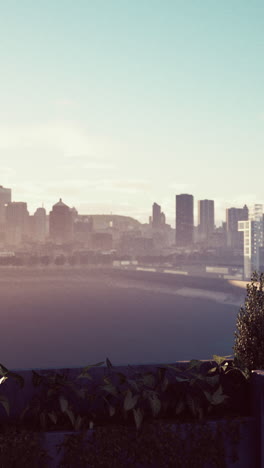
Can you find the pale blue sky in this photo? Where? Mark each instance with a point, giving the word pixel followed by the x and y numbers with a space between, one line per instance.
pixel 114 104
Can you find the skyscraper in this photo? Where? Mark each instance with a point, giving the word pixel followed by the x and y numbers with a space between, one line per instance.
pixel 17 222
pixel 5 198
pixel 158 219
pixel 184 220
pixel 156 212
pixel 61 223
pixel 253 239
pixel 234 237
pixel 40 224
pixel 206 220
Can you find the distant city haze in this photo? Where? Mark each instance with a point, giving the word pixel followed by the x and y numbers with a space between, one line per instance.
pixel 112 105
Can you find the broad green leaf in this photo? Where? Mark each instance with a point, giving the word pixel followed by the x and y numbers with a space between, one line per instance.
pixel 98 364
pixel 3 370
pixel 3 379
pixel 63 404
pixel 17 377
pixel 165 384
pixel 149 380
pixel 78 423
pixel 81 393
pixel 130 401
pixel 37 379
pixel 181 379
pixel 110 388
pixel 194 364
pixel 191 404
pixel 138 416
pixel 218 396
pixel 53 417
pixel 224 366
pixel 85 375
pixel 161 373
pixel 220 359
pixel 155 404
pixel 71 416
pixel 212 380
pixel 5 403
pixel 176 369
pixel 133 384
pixel 208 396
pixel 212 370
pixel 122 377
pixel 108 363
pixel 179 407
pixel 25 410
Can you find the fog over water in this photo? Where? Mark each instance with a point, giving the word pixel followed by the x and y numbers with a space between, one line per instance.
pixel 71 318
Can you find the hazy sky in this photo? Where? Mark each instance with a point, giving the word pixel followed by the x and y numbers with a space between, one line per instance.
pixel 114 104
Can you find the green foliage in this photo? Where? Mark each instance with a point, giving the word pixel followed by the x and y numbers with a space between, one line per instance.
pixel 139 413
pixel 4 375
pixel 204 388
pixel 52 405
pixel 249 337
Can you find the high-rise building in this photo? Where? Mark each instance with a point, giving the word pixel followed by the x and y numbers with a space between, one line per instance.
pixel 158 219
pixel 184 220
pixel 40 224
pixel 156 212
pixel 253 234
pixel 61 223
pixel 234 236
pixel 206 221
pixel 5 198
pixel 17 222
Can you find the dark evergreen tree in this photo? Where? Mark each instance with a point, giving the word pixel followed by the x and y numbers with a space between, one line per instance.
pixel 249 336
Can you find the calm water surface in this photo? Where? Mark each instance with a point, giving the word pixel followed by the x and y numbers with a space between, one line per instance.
pixel 72 318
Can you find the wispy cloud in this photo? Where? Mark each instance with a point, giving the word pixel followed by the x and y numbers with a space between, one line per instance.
pixel 132 186
pixel 67 138
pixel 180 187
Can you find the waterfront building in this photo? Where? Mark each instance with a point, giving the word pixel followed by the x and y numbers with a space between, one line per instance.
pixel 61 223
pixel 184 220
pixel 5 198
pixel 234 236
pixel 253 240
pixel 40 224
pixel 158 217
pixel 206 219
pixel 17 222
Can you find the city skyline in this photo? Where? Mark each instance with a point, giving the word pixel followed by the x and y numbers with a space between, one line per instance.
pixel 195 208
pixel 121 103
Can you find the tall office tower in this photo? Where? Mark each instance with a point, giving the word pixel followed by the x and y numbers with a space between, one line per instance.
pixel 17 222
pixel 5 198
pixel 206 221
pixel 61 223
pixel 234 236
pixel 158 219
pixel 40 224
pixel 184 220
pixel 156 212
pixel 253 233
pixel 162 219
